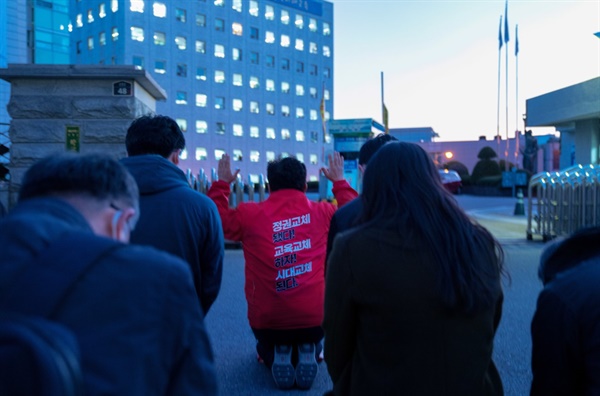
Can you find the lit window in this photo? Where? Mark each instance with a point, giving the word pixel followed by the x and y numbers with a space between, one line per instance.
pixel 269 37
pixel 299 136
pixel 270 108
pixel 285 134
pixel 181 98
pixel 314 137
pixel 200 46
pixel 299 113
pixel 159 10
pixel 220 129
pixel 300 67
pixel 326 94
pixel 284 154
pixel 200 20
pixel 219 76
pixel 269 85
pixel 299 22
pixel 160 38
pixel 254 133
pixel 326 51
pixel 138 62
pixel 313 92
pixel 201 73
pixel 285 111
pixel 219 51
pixel 237 5
pixel 254 34
pixel 313 70
pixel 201 126
pixel 182 70
pixel 183 155
pixel 114 5
pixel 180 14
pixel 236 54
pixel 254 82
pixel 219 3
pixel 253 8
pixel 254 56
pixel 90 16
pixel 313 159
pixel 219 102
pixel 285 87
pixel 79 20
pixel 160 67
pixel 90 43
pixel 326 29
pixel 299 45
pixel 237 80
pixel 285 40
pixel 236 155
pixel 219 154
pixel 299 90
pixel 269 13
pixel 136 6
pixel 201 100
pixel 238 130
pixel 312 24
pixel 102 38
pixel 237 105
pixel 254 156
pixel 236 29
pixel 312 48
pixel 285 17
pixel 201 154
pixel 219 25
pixel 270 133
pixel 137 33
pixel 300 156
pixel 313 115
pixel 102 10
pixel 270 155
pixel 181 42
pixel 114 34
pixel 182 122
pixel 254 107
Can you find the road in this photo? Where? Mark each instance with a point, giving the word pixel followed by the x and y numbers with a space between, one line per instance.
pixel 239 373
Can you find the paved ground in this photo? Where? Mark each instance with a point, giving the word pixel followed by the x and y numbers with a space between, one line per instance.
pixel 240 374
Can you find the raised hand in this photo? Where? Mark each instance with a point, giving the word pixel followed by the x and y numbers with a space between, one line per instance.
pixel 335 171
pixel 224 170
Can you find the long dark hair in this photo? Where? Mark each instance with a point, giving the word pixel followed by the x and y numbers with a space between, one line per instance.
pixel 403 192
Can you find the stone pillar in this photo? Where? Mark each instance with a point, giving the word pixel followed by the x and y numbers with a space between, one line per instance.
pixel 84 108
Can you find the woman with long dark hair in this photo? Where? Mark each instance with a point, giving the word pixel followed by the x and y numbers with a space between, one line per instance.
pixel 413 294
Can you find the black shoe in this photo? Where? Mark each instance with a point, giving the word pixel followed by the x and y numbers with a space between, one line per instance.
pixel 307 368
pixel 282 368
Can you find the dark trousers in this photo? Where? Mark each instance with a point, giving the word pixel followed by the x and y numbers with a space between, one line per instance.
pixel 266 339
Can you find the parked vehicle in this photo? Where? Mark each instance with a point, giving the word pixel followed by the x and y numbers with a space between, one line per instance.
pixel 451 180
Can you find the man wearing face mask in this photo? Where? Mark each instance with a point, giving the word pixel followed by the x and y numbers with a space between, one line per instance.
pixel 134 311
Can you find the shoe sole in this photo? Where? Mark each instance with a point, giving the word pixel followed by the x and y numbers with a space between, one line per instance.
pixel 307 368
pixel 282 369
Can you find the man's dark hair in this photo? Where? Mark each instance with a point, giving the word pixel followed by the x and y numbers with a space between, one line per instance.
pixel 98 176
pixel 371 146
pixel 286 173
pixel 156 134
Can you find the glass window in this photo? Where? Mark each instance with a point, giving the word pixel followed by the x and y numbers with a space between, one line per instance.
pixel 285 17
pixel 300 156
pixel 201 126
pixel 219 25
pixel 285 87
pixel 253 8
pixel 269 13
pixel 299 45
pixel 326 29
pixel 236 155
pixel 326 51
pixel 90 43
pixel 285 40
pixel 219 51
pixel 138 62
pixel 90 16
pixel 313 92
pixel 237 80
pixel 313 70
pixel 270 85
pixel 254 57
pixel 254 82
pixel 270 108
pixel 181 98
pixel 300 67
pixel 200 20
pixel 114 34
pixel 200 46
pixel 314 137
pixel 159 38
pixel 269 37
pixel 270 155
pixel 254 33
pixel 160 67
pixel 327 72
pixel 201 73
pixel 219 102
pixel 159 10
pixel 313 159
pixel 136 6
pixel 237 5
pixel 238 130
pixel 270 134
pixel 182 122
pixel 312 24
pixel 181 42
pixel 102 10
pixel 285 135
pixel 299 90
pixel 313 115
pixel 285 64
pixel 312 48
pixel 254 107
pixel 182 70
pixel 285 111
pixel 299 22
pixel 299 114
pixel 254 132
pixel 137 33
pixel 236 29
pixel 219 76
pixel 219 3
pixel 201 100
pixel 201 154
pixel 220 129
pixel 183 155
pixel 237 105
pixel 102 38
pixel 254 156
pixel 180 14
pixel 236 54
pixel 270 61
pixel 79 20
pixel 326 94
pixel 114 5
pixel 219 153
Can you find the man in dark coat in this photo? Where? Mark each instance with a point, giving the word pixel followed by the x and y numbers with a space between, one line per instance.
pixel 175 218
pixel 134 312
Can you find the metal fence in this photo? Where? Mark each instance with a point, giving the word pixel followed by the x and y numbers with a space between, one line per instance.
pixel 563 202
pixel 240 191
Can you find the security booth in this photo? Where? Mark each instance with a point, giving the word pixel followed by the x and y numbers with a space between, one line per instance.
pixel 348 137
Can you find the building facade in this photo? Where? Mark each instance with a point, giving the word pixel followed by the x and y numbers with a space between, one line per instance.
pixel 251 78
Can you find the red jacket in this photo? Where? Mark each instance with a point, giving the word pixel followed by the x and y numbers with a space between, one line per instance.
pixel 284 240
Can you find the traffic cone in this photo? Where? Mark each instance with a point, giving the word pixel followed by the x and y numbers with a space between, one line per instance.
pixel 520 205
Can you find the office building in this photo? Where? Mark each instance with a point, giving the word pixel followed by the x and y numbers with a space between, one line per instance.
pixel 253 78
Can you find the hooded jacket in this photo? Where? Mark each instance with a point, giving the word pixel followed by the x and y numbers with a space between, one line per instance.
pixel 177 219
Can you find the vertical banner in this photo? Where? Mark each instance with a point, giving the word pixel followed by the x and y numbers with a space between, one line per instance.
pixel 73 138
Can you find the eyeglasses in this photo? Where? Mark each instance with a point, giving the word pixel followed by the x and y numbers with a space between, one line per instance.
pixel 118 214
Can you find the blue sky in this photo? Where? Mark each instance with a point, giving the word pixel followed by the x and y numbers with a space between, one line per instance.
pixel 440 60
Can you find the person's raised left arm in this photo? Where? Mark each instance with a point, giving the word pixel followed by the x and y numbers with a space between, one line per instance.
pixel 342 191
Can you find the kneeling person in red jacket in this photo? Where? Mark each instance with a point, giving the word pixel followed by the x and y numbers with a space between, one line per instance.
pixel 284 241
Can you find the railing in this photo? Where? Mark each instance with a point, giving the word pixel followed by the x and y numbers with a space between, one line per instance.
pixel 563 202
pixel 240 191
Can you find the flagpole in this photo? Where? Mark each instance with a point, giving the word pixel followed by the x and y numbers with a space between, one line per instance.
pixel 499 73
pixel 506 39
pixel 517 137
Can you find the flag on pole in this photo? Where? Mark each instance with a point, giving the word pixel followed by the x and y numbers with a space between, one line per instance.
pixel 385 119
pixel 322 109
pixel 506 37
pixel 516 40
pixel 500 40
